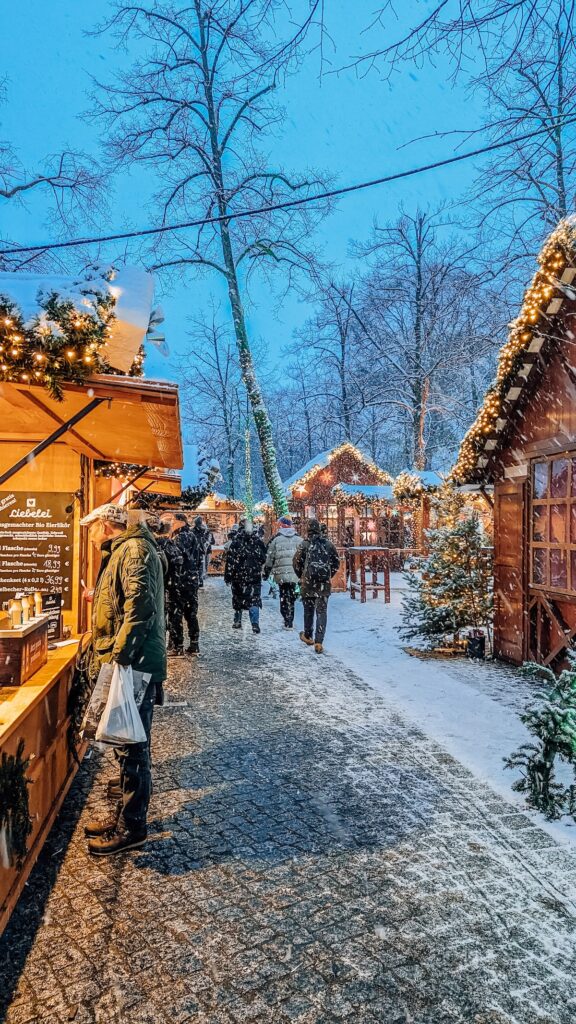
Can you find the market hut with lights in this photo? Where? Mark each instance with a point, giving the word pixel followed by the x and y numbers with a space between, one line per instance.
pixel 346 491
pixel 343 489
pixel 523 445
pixel 72 400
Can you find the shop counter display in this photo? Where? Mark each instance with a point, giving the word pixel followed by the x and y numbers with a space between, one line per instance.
pixel 34 719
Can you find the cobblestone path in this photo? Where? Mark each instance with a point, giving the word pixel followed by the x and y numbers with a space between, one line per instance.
pixel 313 858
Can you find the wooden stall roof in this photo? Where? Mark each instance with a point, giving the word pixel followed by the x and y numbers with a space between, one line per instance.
pixel 322 461
pixel 160 483
pixel 139 423
pixel 533 338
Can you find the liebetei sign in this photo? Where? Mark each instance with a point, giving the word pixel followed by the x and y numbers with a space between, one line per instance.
pixel 36 544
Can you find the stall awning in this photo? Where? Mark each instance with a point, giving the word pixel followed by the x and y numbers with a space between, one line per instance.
pixel 139 421
pixel 160 483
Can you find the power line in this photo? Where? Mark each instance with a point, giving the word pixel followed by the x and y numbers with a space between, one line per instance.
pixel 287 203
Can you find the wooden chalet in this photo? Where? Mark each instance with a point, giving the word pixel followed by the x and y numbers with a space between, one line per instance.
pixel 343 489
pixel 523 444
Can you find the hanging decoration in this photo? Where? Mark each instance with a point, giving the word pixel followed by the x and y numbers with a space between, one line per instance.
pixel 65 343
pixel 15 822
pixel 541 302
pixel 116 470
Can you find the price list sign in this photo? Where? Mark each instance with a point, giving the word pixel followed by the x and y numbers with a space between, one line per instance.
pixel 36 544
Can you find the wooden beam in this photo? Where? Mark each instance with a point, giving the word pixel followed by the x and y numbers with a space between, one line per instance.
pixel 88 448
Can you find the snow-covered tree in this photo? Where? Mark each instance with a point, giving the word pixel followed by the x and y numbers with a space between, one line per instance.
pixel 452 589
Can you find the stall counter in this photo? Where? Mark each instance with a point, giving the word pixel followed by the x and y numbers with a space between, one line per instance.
pixel 37 712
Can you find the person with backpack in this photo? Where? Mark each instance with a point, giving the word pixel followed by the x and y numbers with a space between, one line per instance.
pixel 244 560
pixel 279 558
pixel 315 563
pixel 183 590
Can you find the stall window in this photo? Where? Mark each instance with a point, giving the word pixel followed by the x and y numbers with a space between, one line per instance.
pixel 553 524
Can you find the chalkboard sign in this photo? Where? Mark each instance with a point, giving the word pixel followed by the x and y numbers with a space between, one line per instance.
pixel 36 544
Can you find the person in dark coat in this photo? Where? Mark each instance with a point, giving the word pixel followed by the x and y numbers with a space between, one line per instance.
pixel 170 557
pixel 128 627
pixel 244 561
pixel 201 534
pixel 183 591
pixel 315 563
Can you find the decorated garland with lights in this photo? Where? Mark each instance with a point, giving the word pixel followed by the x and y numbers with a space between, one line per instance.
pixel 116 470
pixel 61 345
pixel 557 253
pixel 358 500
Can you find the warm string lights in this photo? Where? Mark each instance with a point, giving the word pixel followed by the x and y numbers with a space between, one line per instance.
pixel 298 489
pixel 61 345
pixel 117 470
pixel 558 252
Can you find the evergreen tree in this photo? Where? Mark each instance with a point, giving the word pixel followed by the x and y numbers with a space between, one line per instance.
pixel 453 587
pixel 551 719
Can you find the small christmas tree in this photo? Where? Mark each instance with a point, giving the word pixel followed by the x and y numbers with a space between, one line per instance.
pixel 551 719
pixel 453 588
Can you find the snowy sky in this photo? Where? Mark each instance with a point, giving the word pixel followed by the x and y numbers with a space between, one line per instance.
pixel 351 126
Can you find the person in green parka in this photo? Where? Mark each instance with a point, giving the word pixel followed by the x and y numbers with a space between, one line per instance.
pixel 128 627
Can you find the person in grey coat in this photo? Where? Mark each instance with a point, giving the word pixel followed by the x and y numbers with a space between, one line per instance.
pixel 279 558
pixel 315 563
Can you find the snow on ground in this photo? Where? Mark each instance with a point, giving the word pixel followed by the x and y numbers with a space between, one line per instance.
pixel 471 708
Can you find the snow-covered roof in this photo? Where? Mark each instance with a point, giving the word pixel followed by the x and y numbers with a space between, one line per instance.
pixel 132 288
pixel 382 491
pixel 427 477
pixel 322 461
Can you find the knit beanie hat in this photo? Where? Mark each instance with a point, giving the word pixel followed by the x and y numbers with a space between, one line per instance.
pixel 284 521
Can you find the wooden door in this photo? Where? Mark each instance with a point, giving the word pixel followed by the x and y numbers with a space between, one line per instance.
pixel 509 573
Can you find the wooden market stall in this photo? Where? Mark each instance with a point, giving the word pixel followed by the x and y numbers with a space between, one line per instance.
pixel 523 444
pixel 48 453
pixel 317 491
pixel 220 513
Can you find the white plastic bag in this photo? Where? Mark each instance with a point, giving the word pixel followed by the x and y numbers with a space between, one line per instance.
pixel 120 722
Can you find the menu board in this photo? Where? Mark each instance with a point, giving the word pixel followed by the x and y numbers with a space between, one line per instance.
pixel 36 544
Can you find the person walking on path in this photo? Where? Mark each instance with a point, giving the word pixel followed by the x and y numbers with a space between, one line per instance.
pixel 183 594
pixel 244 560
pixel 201 534
pixel 171 560
pixel 128 627
pixel 279 559
pixel 315 563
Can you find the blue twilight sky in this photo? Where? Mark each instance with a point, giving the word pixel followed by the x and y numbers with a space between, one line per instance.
pixel 352 127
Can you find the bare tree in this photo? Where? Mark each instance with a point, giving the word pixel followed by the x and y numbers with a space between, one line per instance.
pixel 214 398
pixel 530 186
pixel 194 109
pixel 72 182
pixel 426 318
pixel 466 29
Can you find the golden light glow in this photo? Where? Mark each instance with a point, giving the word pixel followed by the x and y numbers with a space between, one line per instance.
pixel 557 253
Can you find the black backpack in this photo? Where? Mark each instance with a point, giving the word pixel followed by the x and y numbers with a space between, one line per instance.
pixel 318 563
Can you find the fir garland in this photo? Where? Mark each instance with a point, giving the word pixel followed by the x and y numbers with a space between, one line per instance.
pixel 62 345
pixel 116 470
pixel 15 820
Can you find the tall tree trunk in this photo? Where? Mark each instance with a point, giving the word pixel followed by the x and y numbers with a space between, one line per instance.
pixel 249 376
pixel 248 489
pixel 419 384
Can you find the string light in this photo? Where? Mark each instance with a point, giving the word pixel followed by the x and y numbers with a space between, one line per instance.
pixel 557 253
